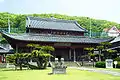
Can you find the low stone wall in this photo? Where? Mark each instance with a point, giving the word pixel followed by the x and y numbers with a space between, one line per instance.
pixel 7 65
pixel 87 64
pixel 3 65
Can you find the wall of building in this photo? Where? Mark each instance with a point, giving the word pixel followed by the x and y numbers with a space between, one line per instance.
pixel 55 32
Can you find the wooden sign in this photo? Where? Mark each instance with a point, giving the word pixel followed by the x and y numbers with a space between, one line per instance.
pixel 62 44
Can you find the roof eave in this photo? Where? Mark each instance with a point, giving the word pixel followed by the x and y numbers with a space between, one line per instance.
pixel 55 29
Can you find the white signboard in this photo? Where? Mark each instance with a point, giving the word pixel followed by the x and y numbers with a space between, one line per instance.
pixel 115 62
pixel 109 63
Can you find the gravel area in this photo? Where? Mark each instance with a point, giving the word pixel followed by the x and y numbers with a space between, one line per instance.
pixel 114 73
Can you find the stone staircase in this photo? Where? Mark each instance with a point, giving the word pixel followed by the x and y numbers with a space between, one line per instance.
pixel 71 64
pixel 86 64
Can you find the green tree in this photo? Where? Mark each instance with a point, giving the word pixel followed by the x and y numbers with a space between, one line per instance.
pixel 18 59
pixel 18 21
pixel 103 49
pixel 40 54
pixel 110 52
pixel 33 46
pixel 100 48
pixel 90 52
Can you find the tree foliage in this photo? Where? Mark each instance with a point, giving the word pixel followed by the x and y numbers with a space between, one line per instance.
pixel 18 21
pixel 3 41
pixel 18 59
pixel 103 49
pixel 39 54
pixel 90 52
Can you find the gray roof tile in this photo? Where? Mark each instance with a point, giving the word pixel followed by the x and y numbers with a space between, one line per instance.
pixel 56 24
pixel 54 38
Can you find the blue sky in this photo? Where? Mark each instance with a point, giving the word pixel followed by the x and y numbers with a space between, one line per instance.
pixel 98 9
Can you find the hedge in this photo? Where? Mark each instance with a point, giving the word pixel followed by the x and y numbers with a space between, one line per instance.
pixel 102 64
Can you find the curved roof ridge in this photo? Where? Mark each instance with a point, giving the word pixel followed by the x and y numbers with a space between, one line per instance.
pixel 55 24
pixel 51 19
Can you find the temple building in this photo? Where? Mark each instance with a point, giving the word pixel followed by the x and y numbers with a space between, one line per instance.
pixel 66 36
pixel 116 45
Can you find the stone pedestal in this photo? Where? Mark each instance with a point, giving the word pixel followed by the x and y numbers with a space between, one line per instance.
pixel 59 70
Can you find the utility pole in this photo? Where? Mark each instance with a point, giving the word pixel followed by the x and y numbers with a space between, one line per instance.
pixel 8 25
pixel 90 27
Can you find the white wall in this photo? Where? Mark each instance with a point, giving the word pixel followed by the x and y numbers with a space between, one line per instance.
pixel 113 32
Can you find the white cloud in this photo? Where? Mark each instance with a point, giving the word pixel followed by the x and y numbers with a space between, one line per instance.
pixel 1 0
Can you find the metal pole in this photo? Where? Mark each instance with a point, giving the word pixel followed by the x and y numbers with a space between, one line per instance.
pixel 8 25
pixel 90 27
pixel 115 65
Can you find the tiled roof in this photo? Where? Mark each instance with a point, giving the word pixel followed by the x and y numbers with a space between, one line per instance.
pixel 54 38
pixel 112 28
pixel 55 24
pixel 4 50
pixel 117 39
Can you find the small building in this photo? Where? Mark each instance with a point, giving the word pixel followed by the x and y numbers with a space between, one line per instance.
pixel 3 53
pixel 111 32
pixel 66 36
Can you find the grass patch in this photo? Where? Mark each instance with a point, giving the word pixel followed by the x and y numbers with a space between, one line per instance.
pixel 72 74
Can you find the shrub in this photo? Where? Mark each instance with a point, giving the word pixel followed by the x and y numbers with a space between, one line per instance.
pixel 118 65
pixel 117 59
pixel 100 64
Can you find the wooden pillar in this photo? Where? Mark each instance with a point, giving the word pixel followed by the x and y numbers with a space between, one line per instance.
pixel 74 55
pixel 4 60
pixel 0 58
pixel 16 50
pixel 49 59
pixel 70 54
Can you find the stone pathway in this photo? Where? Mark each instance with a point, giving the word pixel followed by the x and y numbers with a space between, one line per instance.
pixel 114 73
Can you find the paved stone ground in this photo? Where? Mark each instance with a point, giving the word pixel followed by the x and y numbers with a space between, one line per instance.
pixel 114 73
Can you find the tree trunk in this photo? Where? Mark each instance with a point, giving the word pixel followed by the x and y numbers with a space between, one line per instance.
pixel 99 55
pixel 20 66
pixel 39 64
